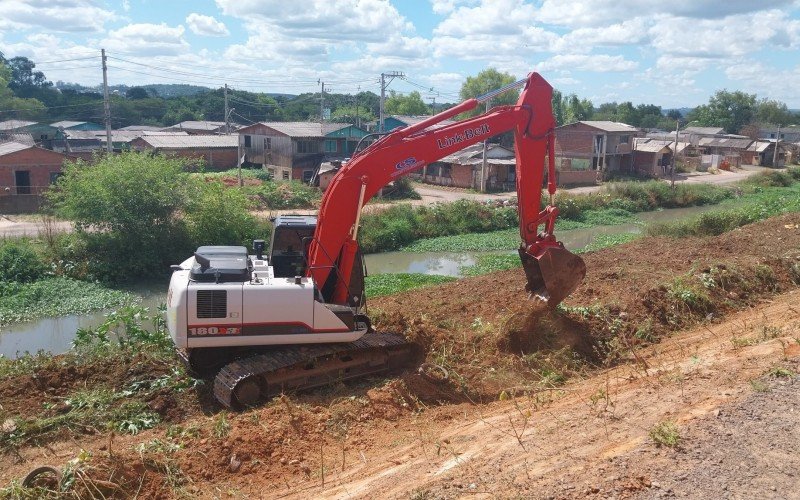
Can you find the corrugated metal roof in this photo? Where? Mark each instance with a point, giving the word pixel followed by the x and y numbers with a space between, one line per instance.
pixel 466 155
pixel 609 126
pixel 141 127
pixel 705 130
pixel 199 125
pixel 191 141
pixel 725 142
pixel 118 135
pixel 6 148
pixel 15 124
pixel 66 124
pixel 652 146
pixel 759 146
pixel 305 129
pixel 21 137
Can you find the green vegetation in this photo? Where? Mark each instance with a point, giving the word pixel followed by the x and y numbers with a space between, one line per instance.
pixel 666 434
pixel 130 331
pixel 136 214
pixel 263 192
pixel 19 262
pixel 55 296
pixel 387 284
pixel 759 204
pixel 486 264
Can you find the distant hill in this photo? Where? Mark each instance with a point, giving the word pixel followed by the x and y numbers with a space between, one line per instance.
pixel 175 89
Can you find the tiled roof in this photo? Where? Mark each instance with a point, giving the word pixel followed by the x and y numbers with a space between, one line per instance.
pixel 305 129
pixel 725 142
pixel 199 125
pixel 705 130
pixel 191 141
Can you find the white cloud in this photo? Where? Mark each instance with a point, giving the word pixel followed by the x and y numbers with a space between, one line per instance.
pixel 630 32
pixel 126 5
pixel 206 25
pixel 147 40
pixel 333 21
pixel 602 12
pixel 601 63
pixel 402 47
pixel 54 15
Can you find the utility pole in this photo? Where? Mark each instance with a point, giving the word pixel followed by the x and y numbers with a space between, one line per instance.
pixel 674 154
pixel 358 115
pixel 775 152
pixel 483 163
pixel 391 75
pixel 227 113
pixel 322 102
pixel 106 105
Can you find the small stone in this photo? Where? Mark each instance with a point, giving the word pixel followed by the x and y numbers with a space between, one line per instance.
pixel 655 485
pixel 773 488
pixel 283 461
pixel 294 462
pixel 472 486
pixel 235 464
pixel 204 441
pixel 9 426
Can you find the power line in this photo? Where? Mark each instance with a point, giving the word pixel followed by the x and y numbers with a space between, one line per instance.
pixel 66 60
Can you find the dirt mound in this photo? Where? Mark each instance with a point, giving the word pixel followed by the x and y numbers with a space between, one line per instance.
pixel 484 328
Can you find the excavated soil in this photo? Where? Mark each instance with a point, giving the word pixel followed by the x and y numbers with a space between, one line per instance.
pixel 503 424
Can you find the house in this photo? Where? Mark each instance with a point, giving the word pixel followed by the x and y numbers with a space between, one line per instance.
pixel 295 150
pixel 653 157
pixel 790 133
pixel 218 152
pixel 463 169
pixel 42 133
pixel 595 145
pixel 200 127
pixel 71 125
pixel 26 171
pixel 147 128
pixel 763 153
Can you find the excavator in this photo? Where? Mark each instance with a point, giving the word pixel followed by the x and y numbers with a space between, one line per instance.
pixel 295 318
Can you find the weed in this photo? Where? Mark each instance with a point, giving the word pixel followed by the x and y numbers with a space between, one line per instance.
pixel 387 284
pixel 780 372
pixel 759 385
pixel 221 427
pixel 666 434
pixel 688 296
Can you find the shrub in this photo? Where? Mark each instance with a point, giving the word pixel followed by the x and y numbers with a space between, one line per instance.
pixel 401 189
pixel 19 262
pixel 216 215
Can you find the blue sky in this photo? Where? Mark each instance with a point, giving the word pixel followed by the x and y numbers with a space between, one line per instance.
pixel 674 53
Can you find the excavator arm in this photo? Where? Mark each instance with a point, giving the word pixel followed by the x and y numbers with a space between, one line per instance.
pixel 552 271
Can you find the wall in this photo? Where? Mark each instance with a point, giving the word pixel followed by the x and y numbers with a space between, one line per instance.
pixel 576 177
pixel 39 162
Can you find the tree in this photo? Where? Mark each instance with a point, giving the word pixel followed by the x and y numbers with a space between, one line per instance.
pixel 558 107
pixel 577 109
pixel 486 81
pixel 776 113
pixel 729 110
pixel 137 93
pixel 410 105
pixel 23 74
pixel 348 114
pixel 12 106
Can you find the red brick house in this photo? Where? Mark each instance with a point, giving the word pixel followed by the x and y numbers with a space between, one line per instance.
pixel 217 152
pixel 28 169
pixel 595 145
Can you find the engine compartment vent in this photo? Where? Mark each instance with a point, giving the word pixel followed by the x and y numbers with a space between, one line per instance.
pixel 212 304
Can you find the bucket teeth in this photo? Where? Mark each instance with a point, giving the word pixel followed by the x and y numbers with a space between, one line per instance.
pixel 552 274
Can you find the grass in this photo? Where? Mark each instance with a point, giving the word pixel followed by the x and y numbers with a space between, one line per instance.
pixel 387 284
pixel 666 434
pixel 759 204
pixel 55 297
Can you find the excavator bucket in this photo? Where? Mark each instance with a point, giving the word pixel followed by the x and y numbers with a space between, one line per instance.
pixel 553 273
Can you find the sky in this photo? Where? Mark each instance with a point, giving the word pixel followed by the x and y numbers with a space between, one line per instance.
pixel 670 53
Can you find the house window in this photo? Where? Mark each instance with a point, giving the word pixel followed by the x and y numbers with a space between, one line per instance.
pixel 331 147
pixel 247 141
pixel 305 147
pixel 285 175
pixel 623 139
pixel 267 144
pixel 771 136
pixel 445 171
pixel 307 175
pixel 54 177
pixel 271 172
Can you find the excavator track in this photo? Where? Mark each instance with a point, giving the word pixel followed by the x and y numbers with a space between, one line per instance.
pixel 251 380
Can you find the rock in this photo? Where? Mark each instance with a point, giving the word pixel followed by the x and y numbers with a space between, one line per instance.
pixel 9 426
pixel 283 461
pixel 294 462
pixel 235 464
pixel 655 485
